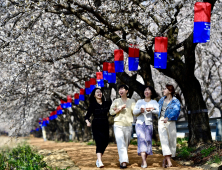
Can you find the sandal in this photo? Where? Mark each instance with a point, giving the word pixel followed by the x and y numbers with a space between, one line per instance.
pixel 164 163
pixel 168 166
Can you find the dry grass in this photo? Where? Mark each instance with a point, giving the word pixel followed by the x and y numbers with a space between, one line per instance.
pixel 10 142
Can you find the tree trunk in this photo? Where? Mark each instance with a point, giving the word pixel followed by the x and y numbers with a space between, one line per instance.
pixel 198 120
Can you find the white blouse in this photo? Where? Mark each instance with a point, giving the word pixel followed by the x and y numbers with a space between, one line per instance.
pixel 146 116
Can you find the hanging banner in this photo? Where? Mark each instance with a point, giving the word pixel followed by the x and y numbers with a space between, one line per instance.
pixel 111 73
pixel 59 110
pixel 63 104
pixel 133 59
pixel 47 120
pixel 44 122
pixel 69 101
pixel 100 81
pixel 87 87
pixel 92 84
pixel 202 14
pixel 105 71
pixel 82 95
pixel 119 60
pixel 160 52
pixel 76 100
pixel 40 122
pixel 53 115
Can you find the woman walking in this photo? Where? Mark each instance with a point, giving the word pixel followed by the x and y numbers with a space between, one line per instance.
pixel 100 125
pixel 122 108
pixel 169 110
pixel 144 126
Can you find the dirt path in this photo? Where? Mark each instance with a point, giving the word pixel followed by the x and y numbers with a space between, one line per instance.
pixel 84 156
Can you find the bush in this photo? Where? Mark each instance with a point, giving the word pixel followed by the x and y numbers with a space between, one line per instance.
pixel 215 159
pixel 22 157
pixel 206 152
pixel 2 161
pixel 185 152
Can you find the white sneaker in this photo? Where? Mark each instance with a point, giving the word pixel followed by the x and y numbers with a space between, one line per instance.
pixel 97 161
pixel 100 164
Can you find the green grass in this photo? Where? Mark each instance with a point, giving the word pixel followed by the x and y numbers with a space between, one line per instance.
pixel 206 152
pixel 133 142
pixel 156 143
pixel 215 159
pixel 185 152
pixel 91 143
pixel 22 157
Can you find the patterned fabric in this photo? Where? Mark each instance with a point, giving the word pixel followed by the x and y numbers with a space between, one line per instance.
pixel 163 109
pixel 144 138
pixel 172 110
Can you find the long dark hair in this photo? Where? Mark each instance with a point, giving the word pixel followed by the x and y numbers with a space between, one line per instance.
pixel 172 90
pixel 153 91
pixel 92 98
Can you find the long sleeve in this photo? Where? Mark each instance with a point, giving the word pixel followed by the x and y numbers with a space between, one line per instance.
pixel 136 109
pixel 175 112
pixel 89 112
pixel 113 106
pixel 156 106
pixel 133 106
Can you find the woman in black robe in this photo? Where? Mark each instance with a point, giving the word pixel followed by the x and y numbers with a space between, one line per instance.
pixel 99 108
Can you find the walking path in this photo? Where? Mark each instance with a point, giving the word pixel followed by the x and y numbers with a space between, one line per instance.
pixel 84 156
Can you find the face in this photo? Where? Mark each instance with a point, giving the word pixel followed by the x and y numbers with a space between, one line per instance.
pixel 166 92
pixel 123 91
pixel 147 93
pixel 98 94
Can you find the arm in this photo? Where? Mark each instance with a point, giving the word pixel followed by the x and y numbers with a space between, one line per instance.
pixel 136 110
pixel 88 115
pixel 133 106
pixel 156 108
pixel 175 112
pixel 113 108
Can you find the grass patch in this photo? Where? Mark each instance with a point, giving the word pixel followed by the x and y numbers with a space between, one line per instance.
pixel 215 159
pixel 185 152
pixel 156 143
pixel 133 142
pixel 206 152
pixel 91 143
pixel 22 157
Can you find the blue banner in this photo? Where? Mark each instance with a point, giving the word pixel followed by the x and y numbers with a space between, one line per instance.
pixel 133 63
pixel 201 32
pixel 160 60
pixel 111 77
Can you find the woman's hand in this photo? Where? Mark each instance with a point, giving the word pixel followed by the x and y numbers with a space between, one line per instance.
pixel 149 109
pixel 123 107
pixel 88 123
pixel 118 110
pixel 142 110
pixel 165 120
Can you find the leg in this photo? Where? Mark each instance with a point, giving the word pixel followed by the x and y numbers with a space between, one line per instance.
pixel 164 138
pixel 121 144
pixel 169 163
pixel 172 137
pixel 127 137
pixel 99 156
pixel 142 142
pixel 144 155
